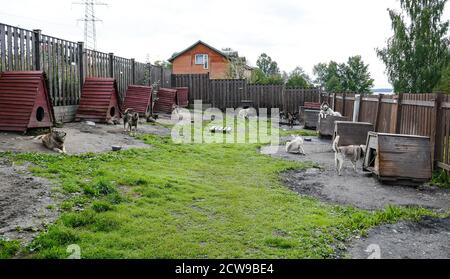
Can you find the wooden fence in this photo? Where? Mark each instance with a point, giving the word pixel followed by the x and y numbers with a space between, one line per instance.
pixel 67 64
pixel 232 93
pixel 411 114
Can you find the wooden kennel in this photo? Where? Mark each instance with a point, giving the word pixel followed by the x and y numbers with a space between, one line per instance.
pixel 99 100
pixel 24 101
pixel 309 115
pixel 326 125
pixel 394 157
pixel 352 133
pixel 138 98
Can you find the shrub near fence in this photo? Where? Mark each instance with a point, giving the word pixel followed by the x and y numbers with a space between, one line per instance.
pixel 67 64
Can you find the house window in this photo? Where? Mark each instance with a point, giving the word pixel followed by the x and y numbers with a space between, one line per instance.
pixel 202 59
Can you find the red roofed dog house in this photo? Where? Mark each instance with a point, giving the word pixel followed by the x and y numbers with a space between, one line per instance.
pixel 24 101
pixel 138 98
pixel 183 97
pixel 99 100
pixel 167 98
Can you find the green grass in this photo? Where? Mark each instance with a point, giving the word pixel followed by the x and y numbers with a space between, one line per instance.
pixel 441 179
pixel 192 201
pixel 8 249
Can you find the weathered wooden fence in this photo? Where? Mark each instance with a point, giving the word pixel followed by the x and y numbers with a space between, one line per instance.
pixel 67 64
pixel 233 93
pixel 410 114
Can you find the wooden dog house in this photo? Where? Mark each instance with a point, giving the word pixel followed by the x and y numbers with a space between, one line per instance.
pixel 167 98
pixel 394 157
pixel 352 133
pixel 138 98
pixel 99 100
pixel 183 97
pixel 309 114
pixel 24 101
pixel 326 125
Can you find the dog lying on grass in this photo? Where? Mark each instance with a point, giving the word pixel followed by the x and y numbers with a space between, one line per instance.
pixel 352 152
pixel 296 146
pixel 325 111
pixel 54 141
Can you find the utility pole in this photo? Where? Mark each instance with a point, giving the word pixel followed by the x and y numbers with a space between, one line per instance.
pixel 90 31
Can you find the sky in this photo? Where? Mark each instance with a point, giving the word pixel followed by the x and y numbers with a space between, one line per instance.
pixel 293 32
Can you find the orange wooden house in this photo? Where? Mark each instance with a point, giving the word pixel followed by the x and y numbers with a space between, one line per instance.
pixel 201 58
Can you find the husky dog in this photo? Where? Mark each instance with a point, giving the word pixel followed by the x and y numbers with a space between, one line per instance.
pixel 176 111
pixel 244 113
pixel 295 146
pixel 352 152
pixel 133 124
pixel 325 110
pixel 290 117
pixel 54 141
pixel 127 115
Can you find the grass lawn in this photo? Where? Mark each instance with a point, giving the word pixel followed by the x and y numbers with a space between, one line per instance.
pixel 190 201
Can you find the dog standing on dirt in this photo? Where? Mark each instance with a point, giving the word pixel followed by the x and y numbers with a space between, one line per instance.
pixel 54 141
pixel 352 152
pixel 296 146
pixel 325 111
pixel 130 121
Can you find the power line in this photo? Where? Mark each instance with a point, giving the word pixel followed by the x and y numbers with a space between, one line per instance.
pixel 90 31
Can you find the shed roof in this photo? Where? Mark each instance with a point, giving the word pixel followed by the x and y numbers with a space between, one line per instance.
pixel 19 92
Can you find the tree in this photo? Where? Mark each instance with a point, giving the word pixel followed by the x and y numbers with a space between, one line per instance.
pixel 267 65
pixel 164 64
pixel 298 78
pixel 356 76
pixel 418 51
pixel 351 77
pixel 237 68
pixel 444 84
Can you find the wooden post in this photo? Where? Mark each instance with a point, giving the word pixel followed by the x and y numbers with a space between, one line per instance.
pixel 133 71
pixel 436 132
pixel 343 103
pixel 81 63
pixel 36 49
pixel 111 64
pixel 149 72
pixel 334 101
pixel 398 121
pixel 377 121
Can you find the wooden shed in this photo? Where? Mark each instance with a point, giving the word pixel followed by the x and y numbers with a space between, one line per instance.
pixel 138 98
pixel 394 157
pixel 326 125
pixel 183 97
pixel 24 101
pixel 352 133
pixel 167 98
pixel 99 100
pixel 309 115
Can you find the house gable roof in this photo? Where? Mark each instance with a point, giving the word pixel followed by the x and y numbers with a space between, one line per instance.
pixel 194 45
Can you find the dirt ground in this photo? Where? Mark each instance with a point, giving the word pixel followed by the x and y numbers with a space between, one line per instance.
pixel 426 239
pixel 82 138
pixel 25 203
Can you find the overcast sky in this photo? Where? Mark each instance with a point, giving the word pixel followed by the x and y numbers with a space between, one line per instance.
pixel 293 32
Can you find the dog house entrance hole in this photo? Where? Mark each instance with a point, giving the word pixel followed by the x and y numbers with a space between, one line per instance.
pixel 112 111
pixel 40 113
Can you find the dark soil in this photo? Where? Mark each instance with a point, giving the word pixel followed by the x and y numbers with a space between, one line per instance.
pixel 428 239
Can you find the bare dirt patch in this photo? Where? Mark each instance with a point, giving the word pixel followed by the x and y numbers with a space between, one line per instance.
pixel 356 189
pixel 26 203
pixel 82 138
pixel 428 239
